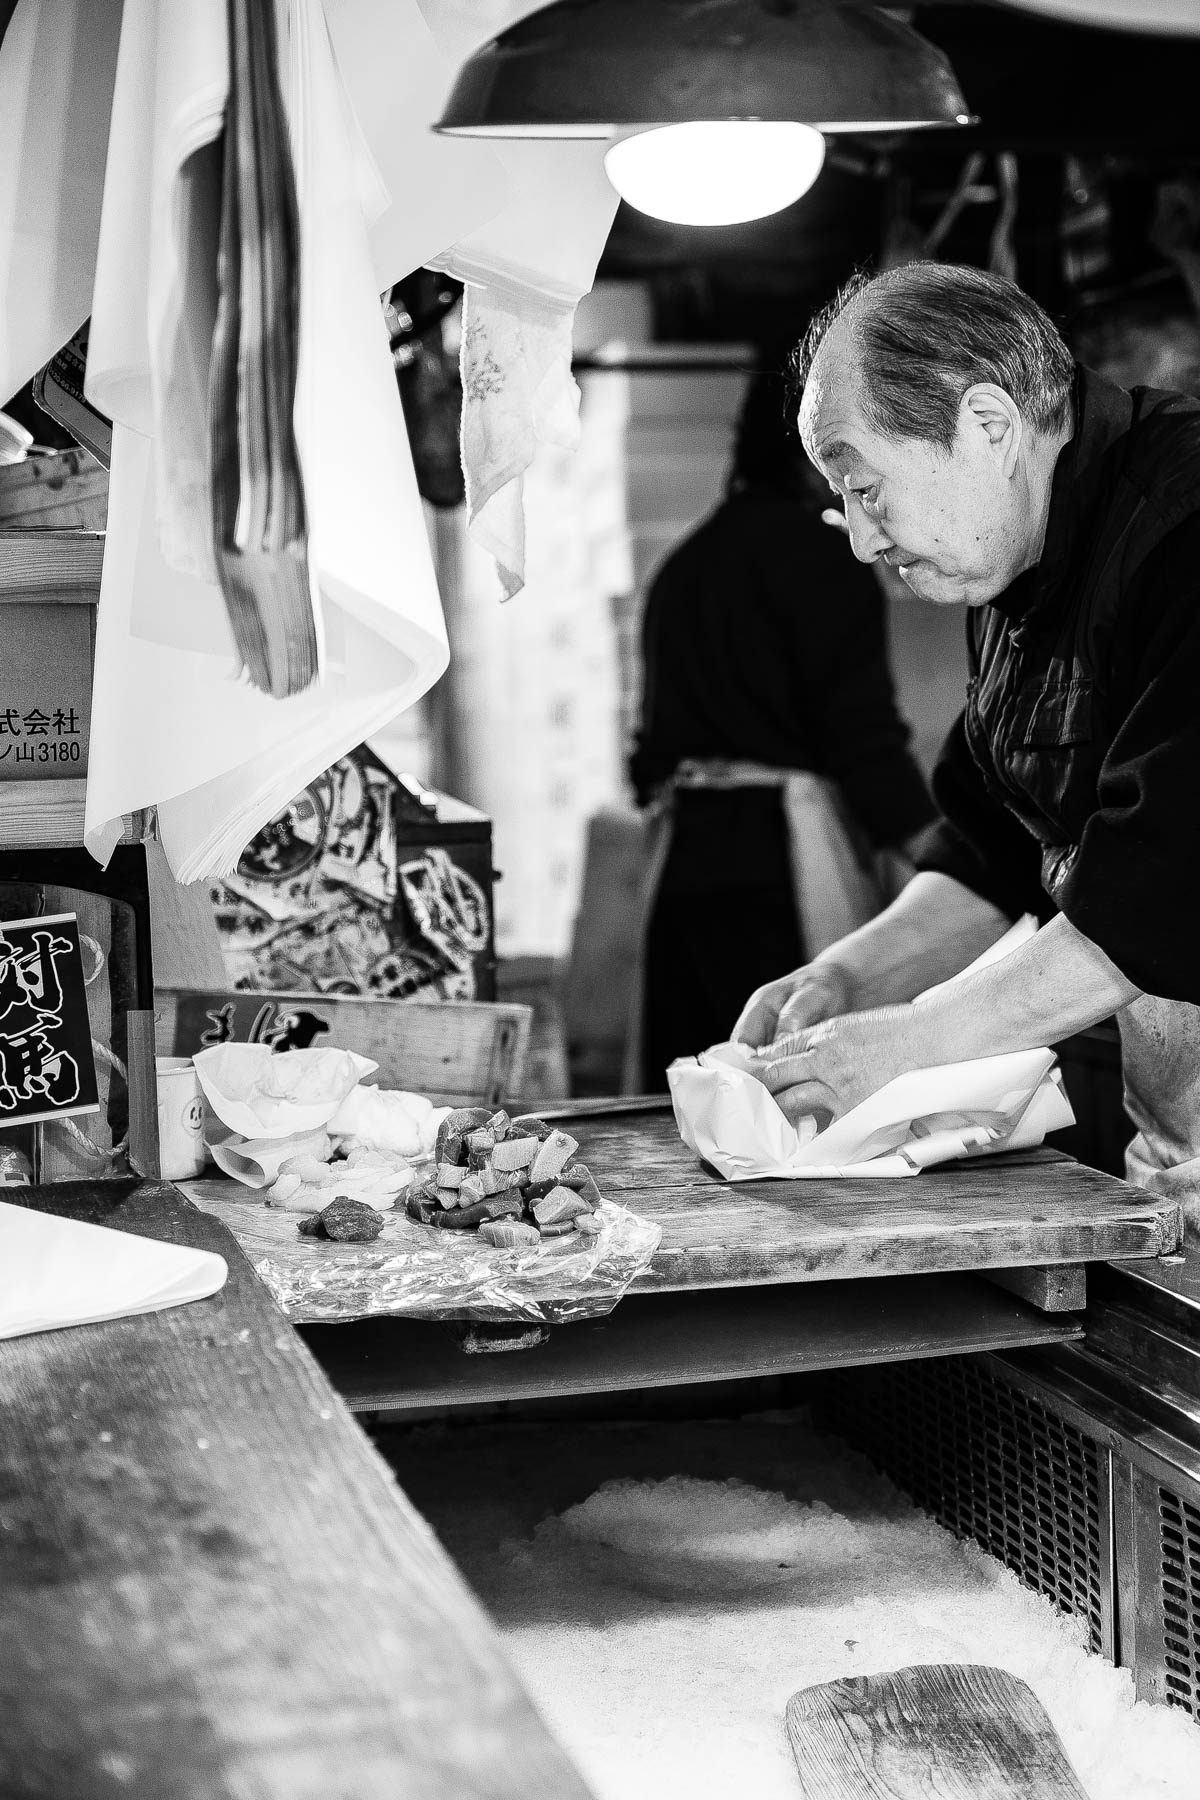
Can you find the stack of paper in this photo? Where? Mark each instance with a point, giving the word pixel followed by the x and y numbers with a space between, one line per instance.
pixel 56 1272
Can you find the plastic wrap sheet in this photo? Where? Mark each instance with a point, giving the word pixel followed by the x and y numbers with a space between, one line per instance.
pixel 420 1272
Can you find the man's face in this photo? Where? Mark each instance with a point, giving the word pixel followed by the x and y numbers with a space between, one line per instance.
pixel 952 524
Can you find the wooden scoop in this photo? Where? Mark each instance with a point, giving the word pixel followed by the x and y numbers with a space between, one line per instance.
pixel 939 1731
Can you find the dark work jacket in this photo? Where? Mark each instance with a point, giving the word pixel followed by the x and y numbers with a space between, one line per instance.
pixel 763 640
pixel 1075 765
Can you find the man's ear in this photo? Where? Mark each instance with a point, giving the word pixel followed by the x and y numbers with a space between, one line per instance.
pixel 988 409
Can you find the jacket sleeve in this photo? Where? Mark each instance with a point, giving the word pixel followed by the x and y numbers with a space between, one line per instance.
pixel 977 840
pixel 1131 885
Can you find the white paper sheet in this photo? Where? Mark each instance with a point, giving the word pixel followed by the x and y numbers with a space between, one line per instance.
pixel 172 724
pixel 927 1116
pixel 56 80
pixel 527 267
pixel 149 347
pixel 176 727
pixel 263 1093
pixel 397 76
pixel 727 1116
pixel 56 1272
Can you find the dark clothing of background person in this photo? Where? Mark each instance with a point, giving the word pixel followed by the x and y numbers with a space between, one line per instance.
pixel 763 641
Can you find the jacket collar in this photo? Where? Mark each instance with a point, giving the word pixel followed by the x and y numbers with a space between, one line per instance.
pixel 1082 476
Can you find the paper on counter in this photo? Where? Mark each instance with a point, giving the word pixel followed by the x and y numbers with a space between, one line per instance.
pixel 256 1162
pixel 727 1116
pixel 389 1119
pixel 924 1117
pixel 56 1272
pixel 263 1093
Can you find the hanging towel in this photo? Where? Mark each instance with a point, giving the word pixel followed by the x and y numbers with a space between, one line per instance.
pixel 172 721
pixel 526 270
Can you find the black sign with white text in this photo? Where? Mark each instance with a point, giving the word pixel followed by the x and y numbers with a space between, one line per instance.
pixel 46 1065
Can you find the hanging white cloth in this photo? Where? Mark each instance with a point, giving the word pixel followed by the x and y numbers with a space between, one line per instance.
pixel 437 189
pixel 56 82
pixel 155 294
pixel 526 272
pixel 526 269
pixel 524 225
pixel 172 723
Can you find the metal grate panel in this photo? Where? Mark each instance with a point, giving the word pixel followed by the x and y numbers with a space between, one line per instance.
pixel 990 1463
pixel 1179 1535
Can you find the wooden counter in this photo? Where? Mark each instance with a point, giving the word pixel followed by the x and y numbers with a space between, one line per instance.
pixel 758 1278
pixel 1000 1212
pixel 210 1585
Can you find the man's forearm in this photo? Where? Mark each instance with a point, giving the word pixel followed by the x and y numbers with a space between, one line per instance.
pixel 1057 983
pixel 931 931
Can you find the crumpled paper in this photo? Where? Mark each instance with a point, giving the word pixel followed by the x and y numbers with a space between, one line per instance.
pixel 388 1119
pixel 926 1116
pixel 262 1093
pixel 256 1162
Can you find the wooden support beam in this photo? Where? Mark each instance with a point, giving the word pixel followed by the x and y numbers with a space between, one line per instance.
pixel 1054 1287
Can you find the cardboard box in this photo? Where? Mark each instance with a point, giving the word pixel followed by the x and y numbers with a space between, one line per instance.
pixel 364 884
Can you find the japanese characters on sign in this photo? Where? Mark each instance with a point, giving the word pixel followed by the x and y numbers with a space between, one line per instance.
pixel 47 1070
pixel 45 683
pixel 41 737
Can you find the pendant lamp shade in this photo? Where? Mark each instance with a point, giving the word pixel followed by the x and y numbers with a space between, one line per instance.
pixel 1181 17
pixel 590 68
pixel 716 171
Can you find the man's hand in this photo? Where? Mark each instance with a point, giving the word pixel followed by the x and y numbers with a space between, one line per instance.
pixel 1057 983
pixel 829 1068
pixel 817 991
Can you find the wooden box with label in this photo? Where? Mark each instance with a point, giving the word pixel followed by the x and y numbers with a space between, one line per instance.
pixel 49 589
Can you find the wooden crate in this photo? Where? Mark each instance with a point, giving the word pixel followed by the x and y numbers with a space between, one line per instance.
pixel 49 586
pixel 459 1053
pixel 67 491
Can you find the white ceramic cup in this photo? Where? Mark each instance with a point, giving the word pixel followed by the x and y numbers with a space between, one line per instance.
pixel 181 1149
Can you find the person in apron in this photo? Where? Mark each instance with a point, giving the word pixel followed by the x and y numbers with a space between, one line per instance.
pixel 1063 512
pixel 771 757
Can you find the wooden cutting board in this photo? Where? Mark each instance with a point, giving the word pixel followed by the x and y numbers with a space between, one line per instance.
pixel 938 1731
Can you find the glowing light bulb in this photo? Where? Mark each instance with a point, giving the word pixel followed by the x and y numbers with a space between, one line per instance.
pixel 716 172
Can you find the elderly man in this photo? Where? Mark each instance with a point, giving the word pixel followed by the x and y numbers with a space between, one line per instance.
pixel 974 457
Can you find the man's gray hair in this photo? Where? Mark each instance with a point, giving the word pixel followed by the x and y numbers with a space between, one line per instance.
pixel 927 332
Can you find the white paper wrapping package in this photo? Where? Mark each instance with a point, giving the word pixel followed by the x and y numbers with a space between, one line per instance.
pixel 56 1272
pixel 261 1093
pixel 927 1116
